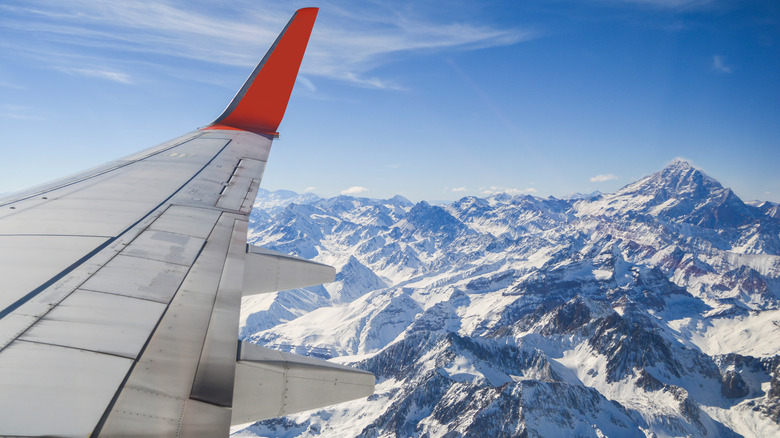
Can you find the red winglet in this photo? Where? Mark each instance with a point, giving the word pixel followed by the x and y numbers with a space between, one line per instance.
pixel 260 104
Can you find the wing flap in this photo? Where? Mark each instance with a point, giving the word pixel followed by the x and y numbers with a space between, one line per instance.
pixel 163 377
pixel 271 383
pixel 204 420
pixel 214 377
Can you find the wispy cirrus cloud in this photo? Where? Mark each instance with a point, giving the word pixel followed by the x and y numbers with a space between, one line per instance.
pixel 347 43
pixel 459 189
pixel 354 190
pixel 100 74
pixel 10 85
pixel 670 4
pixel 18 112
pixel 719 64
pixel 604 177
pixel 306 83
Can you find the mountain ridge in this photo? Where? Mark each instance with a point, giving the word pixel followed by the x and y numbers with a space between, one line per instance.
pixel 653 310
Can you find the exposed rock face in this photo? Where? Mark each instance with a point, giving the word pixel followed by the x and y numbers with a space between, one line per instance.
pixel 651 311
pixel 733 385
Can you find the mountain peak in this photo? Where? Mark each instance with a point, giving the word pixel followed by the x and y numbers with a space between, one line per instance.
pixel 679 192
pixel 434 219
pixel 681 164
pixel 682 168
pixel 401 201
pixel 679 179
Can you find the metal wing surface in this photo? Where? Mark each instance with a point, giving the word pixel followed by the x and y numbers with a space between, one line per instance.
pixel 121 286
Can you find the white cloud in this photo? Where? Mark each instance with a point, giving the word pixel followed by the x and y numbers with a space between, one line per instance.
pixel 671 4
pixel 10 85
pixel 309 189
pixel 346 44
pixel 306 83
pixel 603 177
pixel 14 108
pixel 719 64
pixel 459 189
pixel 19 116
pixel 494 190
pixel 354 190
pixel 18 112
pixel 101 74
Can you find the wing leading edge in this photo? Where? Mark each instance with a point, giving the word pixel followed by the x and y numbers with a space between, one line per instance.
pixel 122 286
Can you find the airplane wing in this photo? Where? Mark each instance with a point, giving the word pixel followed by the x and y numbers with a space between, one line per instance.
pixel 121 286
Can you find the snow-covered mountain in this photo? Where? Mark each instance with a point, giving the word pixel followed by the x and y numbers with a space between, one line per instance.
pixel 653 311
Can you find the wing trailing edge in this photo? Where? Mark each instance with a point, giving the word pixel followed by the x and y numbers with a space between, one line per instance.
pixel 261 102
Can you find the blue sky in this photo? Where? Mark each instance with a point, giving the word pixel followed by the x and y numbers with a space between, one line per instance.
pixel 431 100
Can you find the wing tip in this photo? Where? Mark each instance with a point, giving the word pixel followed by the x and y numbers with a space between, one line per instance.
pixel 260 104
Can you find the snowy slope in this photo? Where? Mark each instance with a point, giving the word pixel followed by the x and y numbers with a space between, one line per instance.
pixel 653 311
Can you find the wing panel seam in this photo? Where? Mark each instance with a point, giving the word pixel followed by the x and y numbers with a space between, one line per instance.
pixel 163 261
pixel 55 235
pixel 32 294
pixel 122 385
pixel 73 348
